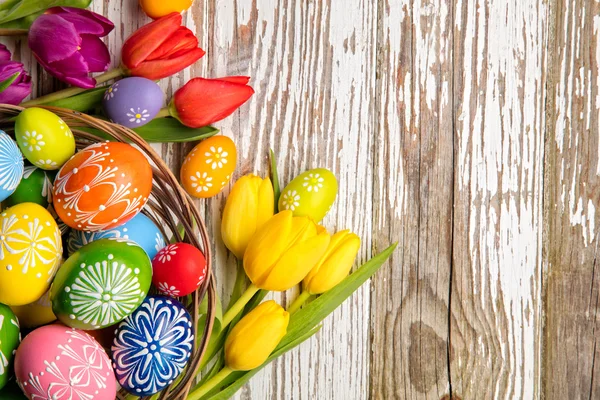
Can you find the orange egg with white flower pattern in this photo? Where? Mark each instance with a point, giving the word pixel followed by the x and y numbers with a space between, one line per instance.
pixel 103 186
pixel 209 166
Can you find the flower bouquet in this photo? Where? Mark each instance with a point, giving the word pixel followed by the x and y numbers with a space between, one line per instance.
pixel 106 283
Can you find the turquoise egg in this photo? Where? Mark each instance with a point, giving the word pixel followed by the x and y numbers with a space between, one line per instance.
pixel 11 166
pixel 140 229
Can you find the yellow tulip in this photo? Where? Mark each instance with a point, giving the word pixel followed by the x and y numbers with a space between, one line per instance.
pixel 283 251
pixel 249 205
pixel 335 264
pixel 254 338
pixel 159 8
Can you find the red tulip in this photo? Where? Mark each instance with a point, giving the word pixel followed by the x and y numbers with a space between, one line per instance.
pixel 200 102
pixel 160 49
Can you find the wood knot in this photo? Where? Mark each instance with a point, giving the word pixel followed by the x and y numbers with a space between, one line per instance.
pixel 428 357
pixel 448 397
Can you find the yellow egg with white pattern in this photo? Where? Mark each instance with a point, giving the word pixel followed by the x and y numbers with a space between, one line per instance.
pixel 30 253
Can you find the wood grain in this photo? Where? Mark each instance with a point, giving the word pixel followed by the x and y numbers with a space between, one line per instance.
pixel 572 331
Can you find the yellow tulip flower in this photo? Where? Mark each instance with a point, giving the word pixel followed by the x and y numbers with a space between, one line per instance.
pixel 335 264
pixel 254 338
pixel 159 8
pixel 249 205
pixel 284 251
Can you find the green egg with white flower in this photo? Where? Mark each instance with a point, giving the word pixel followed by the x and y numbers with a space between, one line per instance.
pixel 44 138
pixel 10 337
pixel 310 194
pixel 35 187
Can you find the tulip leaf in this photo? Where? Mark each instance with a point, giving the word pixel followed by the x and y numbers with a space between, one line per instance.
pixel 8 81
pixel 171 130
pixel 83 102
pixel 15 9
pixel 275 180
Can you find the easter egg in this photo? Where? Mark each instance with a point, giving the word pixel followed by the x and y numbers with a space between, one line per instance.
pixel 58 362
pixel 178 269
pixel 152 346
pixel 30 253
pixel 140 229
pixel 11 166
pixel 156 9
pixel 102 186
pixel 45 140
pixel 310 194
pixel 209 166
pixel 10 336
pixel 101 284
pixel 133 102
pixel 35 314
pixel 35 187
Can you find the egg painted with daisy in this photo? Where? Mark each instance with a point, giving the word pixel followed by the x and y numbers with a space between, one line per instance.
pixel 310 194
pixel 44 138
pixel 207 169
pixel 133 102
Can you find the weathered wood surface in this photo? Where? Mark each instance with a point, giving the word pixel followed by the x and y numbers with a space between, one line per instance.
pixel 467 131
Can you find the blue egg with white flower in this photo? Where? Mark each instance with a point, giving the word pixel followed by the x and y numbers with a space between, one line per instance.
pixel 133 102
pixel 11 166
pixel 152 346
pixel 140 229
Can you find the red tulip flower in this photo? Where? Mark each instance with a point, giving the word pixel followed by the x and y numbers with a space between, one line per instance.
pixel 200 102
pixel 160 49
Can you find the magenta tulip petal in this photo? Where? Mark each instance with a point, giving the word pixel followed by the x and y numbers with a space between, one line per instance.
pixel 4 53
pixel 85 25
pixel 65 12
pixel 15 94
pixel 20 88
pixel 95 53
pixel 52 38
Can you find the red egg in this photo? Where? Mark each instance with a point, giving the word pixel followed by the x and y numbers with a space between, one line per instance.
pixel 103 186
pixel 178 269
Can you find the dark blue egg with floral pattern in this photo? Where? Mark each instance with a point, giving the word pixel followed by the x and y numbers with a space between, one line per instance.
pixel 152 346
pixel 133 102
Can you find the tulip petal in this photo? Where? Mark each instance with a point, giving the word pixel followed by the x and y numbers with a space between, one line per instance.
pixel 242 80
pixel 52 38
pixel 71 70
pixel 204 101
pixel 86 24
pixel 147 39
pixel 4 53
pixel 105 23
pixel 180 42
pixel 95 53
pixel 163 68
pixel 20 88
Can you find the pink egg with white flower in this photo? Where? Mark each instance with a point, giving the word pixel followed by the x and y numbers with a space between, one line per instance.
pixel 57 362
pixel 178 269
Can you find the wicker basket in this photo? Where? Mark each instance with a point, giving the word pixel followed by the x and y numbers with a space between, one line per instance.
pixel 169 206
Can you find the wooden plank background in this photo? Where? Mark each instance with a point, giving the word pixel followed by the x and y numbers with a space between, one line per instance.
pixel 466 130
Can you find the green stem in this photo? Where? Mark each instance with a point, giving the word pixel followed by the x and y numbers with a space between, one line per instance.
pixel 164 112
pixel 238 306
pixel 72 91
pixel 210 384
pixel 299 302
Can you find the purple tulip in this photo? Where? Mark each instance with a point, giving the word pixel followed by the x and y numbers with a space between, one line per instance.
pixel 21 87
pixel 66 41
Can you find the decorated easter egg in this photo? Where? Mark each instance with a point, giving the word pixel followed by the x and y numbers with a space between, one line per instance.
pixel 35 314
pixel 152 346
pixel 178 269
pixel 30 253
pixel 101 284
pixel 310 194
pixel 11 166
pixel 140 229
pixel 10 336
pixel 45 140
pixel 209 166
pixel 35 187
pixel 58 362
pixel 102 186
pixel 133 102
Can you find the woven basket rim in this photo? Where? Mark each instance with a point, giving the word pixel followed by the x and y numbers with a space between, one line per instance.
pixel 167 202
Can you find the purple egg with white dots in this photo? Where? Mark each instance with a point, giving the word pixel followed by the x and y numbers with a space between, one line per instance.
pixel 133 102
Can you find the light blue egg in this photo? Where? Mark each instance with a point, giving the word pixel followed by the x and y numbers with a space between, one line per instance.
pixel 140 229
pixel 11 166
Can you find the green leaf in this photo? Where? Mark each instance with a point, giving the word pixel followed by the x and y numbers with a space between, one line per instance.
pixel 82 102
pixel 8 81
pixel 15 9
pixel 275 180
pixel 22 23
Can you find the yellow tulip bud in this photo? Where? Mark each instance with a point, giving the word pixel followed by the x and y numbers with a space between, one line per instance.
pixel 254 338
pixel 249 206
pixel 159 8
pixel 335 264
pixel 283 251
